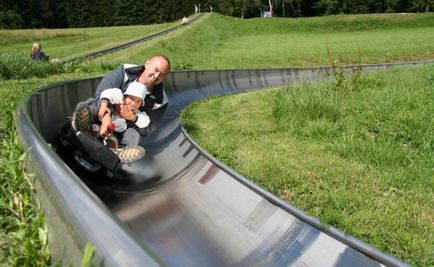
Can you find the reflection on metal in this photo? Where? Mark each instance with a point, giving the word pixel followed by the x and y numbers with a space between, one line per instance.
pixel 183 207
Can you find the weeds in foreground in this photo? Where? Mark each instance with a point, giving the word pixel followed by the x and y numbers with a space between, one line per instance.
pixel 23 234
pixel 18 66
pixel 344 81
pixel 21 67
pixel 22 222
pixel 88 255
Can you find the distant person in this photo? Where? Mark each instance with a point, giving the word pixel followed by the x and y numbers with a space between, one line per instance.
pixel 150 76
pixel 37 54
pixel 185 20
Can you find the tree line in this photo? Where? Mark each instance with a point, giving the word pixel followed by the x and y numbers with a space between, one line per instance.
pixel 16 14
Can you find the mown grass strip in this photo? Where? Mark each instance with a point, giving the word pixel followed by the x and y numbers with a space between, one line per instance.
pixel 218 42
pixel 68 43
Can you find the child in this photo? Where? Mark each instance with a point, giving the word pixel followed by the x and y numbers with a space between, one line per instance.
pixel 125 119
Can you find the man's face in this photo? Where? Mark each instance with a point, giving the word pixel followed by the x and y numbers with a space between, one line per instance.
pixel 156 69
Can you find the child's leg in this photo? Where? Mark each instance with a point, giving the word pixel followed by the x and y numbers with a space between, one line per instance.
pixel 83 116
pixel 130 137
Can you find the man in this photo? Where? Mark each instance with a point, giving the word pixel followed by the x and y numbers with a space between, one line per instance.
pixel 151 75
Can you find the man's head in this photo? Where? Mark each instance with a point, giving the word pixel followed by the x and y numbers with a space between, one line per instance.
pixel 156 69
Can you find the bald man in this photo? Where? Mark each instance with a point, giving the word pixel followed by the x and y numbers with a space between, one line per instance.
pixel 151 74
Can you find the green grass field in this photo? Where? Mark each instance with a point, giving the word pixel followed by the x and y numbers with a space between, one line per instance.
pixel 67 43
pixel 226 43
pixel 358 155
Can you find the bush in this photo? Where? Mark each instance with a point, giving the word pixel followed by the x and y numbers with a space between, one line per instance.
pixel 10 20
pixel 19 66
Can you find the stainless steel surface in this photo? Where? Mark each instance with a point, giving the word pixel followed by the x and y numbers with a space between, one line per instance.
pixel 183 207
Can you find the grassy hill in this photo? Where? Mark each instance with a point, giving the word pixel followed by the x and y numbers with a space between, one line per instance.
pixel 67 43
pixel 225 43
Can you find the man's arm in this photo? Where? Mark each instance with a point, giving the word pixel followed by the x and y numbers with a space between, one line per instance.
pixel 155 106
pixel 109 97
pixel 142 119
pixel 154 117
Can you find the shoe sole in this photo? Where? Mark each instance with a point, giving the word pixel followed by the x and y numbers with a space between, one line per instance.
pixel 130 154
pixel 81 118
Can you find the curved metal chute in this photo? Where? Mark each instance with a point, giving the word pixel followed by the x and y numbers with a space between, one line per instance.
pixel 182 207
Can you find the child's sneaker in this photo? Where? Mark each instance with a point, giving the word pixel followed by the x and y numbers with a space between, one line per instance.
pixel 130 154
pixel 82 118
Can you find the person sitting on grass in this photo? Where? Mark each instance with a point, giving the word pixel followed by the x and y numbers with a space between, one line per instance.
pixel 37 53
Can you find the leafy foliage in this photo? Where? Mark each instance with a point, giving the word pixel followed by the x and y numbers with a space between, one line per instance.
pixel 23 233
pixel 23 236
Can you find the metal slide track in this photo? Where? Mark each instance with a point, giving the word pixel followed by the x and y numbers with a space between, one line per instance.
pixel 184 208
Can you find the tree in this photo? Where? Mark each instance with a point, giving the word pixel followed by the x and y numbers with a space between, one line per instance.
pixel 287 8
pixel 327 7
pixel 422 5
pixel 10 20
pixel 391 6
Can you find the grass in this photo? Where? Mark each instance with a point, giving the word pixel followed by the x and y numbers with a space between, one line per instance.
pixel 310 49
pixel 222 42
pixel 355 166
pixel 227 43
pixel 360 160
pixel 23 234
pixel 336 23
pixel 67 43
pixel 17 66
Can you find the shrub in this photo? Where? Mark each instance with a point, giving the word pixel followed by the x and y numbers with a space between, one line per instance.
pixel 10 20
pixel 18 66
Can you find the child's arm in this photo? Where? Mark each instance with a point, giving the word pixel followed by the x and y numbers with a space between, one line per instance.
pixel 142 119
pixel 112 96
pixel 105 122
